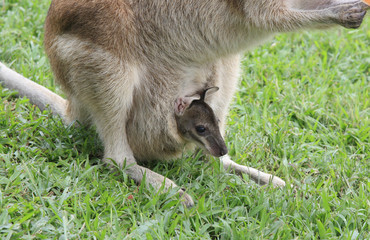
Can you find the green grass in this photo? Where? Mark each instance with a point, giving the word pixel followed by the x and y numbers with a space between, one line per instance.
pixel 302 112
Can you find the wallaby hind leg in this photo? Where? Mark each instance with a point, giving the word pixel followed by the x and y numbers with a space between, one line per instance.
pixel 110 116
pixel 113 134
pixel 110 123
pixel 156 180
pixel 103 85
pixel 76 113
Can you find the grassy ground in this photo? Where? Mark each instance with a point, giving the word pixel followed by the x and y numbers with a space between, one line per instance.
pixel 302 112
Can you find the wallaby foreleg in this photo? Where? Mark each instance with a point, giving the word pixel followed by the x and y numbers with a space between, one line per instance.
pixel 315 4
pixel 285 17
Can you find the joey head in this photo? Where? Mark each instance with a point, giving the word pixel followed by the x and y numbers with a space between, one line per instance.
pixel 197 123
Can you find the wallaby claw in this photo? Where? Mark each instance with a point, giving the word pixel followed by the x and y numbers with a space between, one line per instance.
pixel 277 182
pixel 265 179
pixel 353 17
pixel 186 199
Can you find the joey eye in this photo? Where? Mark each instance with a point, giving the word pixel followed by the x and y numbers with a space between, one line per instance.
pixel 200 129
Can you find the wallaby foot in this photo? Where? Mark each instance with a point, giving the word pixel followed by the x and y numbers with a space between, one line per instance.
pixel 153 179
pixel 186 199
pixel 259 177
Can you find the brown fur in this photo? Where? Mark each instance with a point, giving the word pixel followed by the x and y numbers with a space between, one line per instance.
pixel 123 63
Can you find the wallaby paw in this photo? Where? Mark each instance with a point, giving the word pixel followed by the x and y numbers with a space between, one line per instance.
pixel 186 199
pixel 277 182
pixel 265 179
pixel 351 16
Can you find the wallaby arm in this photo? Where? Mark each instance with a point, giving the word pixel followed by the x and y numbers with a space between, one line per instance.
pixel 37 94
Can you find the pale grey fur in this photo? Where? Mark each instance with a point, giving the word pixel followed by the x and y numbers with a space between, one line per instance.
pixel 122 64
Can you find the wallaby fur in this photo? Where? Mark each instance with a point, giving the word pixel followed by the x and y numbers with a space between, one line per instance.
pixel 123 63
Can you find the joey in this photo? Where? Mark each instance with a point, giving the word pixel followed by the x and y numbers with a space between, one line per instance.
pixel 197 123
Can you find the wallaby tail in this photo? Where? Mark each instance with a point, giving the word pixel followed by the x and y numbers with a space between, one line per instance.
pixel 37 94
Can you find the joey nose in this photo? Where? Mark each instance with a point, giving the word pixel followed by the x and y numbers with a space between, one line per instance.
pixel 220 150
pixel 223 151
pixel 215 146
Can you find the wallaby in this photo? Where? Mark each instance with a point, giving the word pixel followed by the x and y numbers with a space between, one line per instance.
pixel 122 64
pixel 197 123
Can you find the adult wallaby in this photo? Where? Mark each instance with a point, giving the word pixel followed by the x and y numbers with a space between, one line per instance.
pixel 122 64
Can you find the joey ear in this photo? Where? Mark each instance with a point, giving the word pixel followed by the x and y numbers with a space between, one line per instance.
pixel 208 91
pixel 182 103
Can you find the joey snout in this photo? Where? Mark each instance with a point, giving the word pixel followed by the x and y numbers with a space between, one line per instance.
pixel 215 146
